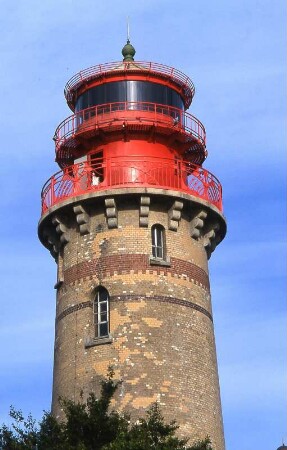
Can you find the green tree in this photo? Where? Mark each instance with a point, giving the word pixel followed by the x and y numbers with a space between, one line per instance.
pixel 152 433
pixel 92 425
pixel 23 434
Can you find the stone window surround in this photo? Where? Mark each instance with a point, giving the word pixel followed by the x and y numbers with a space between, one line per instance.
pixel 99 341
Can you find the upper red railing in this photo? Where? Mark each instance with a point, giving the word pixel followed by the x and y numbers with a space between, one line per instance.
pixel 109 115
pixel 146 68
pixel 136 171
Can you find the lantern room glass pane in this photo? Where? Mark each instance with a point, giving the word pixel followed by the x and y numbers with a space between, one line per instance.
pixel 129 91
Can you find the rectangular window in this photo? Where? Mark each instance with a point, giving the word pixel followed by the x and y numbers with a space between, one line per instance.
pixel 101 313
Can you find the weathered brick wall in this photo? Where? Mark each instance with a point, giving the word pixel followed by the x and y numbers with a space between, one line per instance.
pixel 160 320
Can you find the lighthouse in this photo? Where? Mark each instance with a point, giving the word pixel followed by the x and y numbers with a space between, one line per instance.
pixel 131 219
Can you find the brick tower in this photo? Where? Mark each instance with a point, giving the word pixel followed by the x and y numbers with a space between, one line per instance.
pixel 131 220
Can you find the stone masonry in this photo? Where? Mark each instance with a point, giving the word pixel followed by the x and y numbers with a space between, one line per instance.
pixel 161 342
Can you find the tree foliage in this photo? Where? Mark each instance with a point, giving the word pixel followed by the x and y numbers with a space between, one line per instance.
pixel 92 425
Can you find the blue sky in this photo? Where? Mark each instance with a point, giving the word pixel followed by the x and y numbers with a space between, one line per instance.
pixel 234 51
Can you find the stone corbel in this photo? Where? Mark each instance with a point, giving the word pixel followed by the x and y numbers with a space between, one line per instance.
pixel 144 211
pixel 82 218
pixel 197 224
pixel 61 230
pixel 111 213
pixel 174 215
pixel 52 240
pixel 211 239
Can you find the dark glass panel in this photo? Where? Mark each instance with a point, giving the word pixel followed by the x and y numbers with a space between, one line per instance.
pixel 103 295
pixel 159 237
pixel 104 317
pixel 159 252
pixel 131 91
pixel 103 306
pixel 104 329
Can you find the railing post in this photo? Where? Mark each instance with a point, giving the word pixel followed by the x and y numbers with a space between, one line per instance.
pixel 52 190
pixel 88 174
pixel 75 179
pixel 74 121
pixel 108 173
pixel 179 173
pixel 183 121
pixel 205 185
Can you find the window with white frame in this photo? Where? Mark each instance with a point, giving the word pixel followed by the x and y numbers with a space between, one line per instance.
pixel 157 238
pixel 101 313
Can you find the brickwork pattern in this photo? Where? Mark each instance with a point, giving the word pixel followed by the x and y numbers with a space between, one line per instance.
pixel 158 298
pixel 124 263
pixel 162 340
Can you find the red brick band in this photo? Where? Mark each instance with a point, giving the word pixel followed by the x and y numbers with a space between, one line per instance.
pixel 126 298
pixel 107 266
pixel 74 308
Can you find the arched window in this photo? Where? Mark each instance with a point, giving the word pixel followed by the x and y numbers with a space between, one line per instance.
pixel 157 239
pixel 101 313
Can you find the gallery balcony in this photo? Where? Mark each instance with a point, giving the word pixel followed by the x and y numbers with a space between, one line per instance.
pixel 131 172
pixel 132 120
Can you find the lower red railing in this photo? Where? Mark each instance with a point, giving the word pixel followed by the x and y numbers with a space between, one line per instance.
pixel 116 172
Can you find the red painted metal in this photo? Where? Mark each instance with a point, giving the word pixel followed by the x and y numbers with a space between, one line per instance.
pixel 119 172
pixel 124 69
pixel 112 116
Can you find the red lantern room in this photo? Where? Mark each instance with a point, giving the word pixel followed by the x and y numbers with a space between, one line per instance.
pixel 130 127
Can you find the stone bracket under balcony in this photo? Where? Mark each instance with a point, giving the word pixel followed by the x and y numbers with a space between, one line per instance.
pixel 111 213
pixel 174 215
pixel 197 224
pixel 207 224
pixel 211 239
pixel 206 230
pixel 144 210
pixel 82 218
pixel 55 234
pixel 61 229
